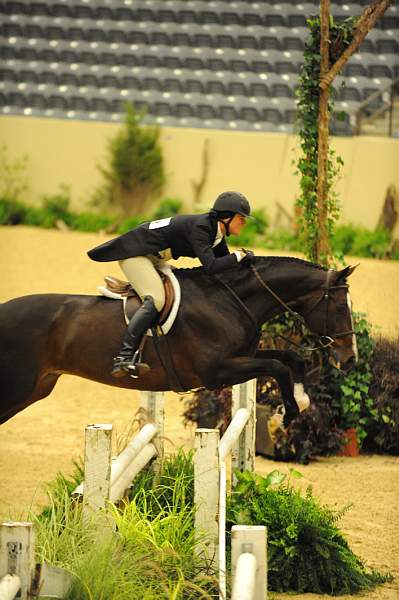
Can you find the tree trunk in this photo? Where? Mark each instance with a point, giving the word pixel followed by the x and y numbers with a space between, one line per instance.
pixel 322 250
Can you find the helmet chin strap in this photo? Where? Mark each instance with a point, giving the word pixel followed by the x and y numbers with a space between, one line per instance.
pixel 227 224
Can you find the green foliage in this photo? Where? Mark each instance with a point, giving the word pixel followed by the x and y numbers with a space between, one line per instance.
pixel 147 545
pixel 130 223
pixel 360 241
pixel 134 172
pixel 12 212
pixel 13 178
pixel 53 209
pixel 306 550
pixel 142 549
pixel 87 221
pixel 174 487
pixel 168 207
pixel 283 239
pixel 308 108
pixel 349 392
pixel 383 422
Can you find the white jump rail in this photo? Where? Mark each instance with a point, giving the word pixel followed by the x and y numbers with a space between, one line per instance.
pixel 9 587
pixel 248 562
pixel 107 479
pixel 210 473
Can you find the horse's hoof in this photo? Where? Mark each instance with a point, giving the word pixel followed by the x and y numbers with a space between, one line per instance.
pixel 275 424
pixel 301 397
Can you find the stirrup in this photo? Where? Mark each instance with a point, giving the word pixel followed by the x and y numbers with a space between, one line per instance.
pixel 136 367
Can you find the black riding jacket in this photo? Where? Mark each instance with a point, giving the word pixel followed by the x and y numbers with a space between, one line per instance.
pixel 185 235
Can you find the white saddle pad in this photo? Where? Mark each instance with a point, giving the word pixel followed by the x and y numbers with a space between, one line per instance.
pixel 166 270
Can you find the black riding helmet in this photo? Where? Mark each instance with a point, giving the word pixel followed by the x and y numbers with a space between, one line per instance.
pixel 232 202
pixel 228 204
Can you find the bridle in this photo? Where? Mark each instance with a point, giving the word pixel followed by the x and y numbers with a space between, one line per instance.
pixel 326 338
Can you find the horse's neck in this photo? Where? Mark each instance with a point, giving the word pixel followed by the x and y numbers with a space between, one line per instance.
pixel 289 282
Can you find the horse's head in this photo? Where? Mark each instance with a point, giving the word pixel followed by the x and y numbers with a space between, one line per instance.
pixel 328 313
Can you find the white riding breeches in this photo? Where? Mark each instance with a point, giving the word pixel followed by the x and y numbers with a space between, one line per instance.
pixel 141 272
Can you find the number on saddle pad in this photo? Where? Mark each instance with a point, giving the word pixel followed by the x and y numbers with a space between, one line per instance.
pixel 159 223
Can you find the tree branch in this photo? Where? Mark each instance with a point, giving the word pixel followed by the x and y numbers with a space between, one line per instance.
pixel 366 22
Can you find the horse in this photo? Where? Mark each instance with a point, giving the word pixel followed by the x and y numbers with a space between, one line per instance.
pixel 213 341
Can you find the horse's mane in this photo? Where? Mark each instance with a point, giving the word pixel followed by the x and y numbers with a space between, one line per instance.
pixel 236 274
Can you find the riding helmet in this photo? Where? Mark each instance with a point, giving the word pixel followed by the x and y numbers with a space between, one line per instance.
pixel 232 202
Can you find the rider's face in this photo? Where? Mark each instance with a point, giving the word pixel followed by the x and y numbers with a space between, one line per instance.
pixel 236 224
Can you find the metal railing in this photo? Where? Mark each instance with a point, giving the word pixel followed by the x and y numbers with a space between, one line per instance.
pixel 377 105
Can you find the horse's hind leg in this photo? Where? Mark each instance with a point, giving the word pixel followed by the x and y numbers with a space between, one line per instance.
pixel 21 388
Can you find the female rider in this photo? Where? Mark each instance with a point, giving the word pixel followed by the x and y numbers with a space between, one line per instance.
pixel 143 249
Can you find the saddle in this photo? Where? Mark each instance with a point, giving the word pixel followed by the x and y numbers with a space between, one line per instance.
pixel 126 291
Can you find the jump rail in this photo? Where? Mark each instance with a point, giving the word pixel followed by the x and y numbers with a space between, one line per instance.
pixel 9 587
pixel 210 473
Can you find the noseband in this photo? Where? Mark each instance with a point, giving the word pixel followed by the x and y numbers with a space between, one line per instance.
pixel 326 338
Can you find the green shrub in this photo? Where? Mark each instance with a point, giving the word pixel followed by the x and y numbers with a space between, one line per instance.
pixel 360 241
pixel 53 208
pixel 283 240
pixel 12 212
pixel 13 178
pixel 306 550
pixel 168 207
pixel 87 221
pixel 130 223
pixel 383 423
pixel 134 172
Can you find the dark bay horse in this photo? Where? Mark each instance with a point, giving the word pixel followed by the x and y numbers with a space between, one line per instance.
pixel 213 341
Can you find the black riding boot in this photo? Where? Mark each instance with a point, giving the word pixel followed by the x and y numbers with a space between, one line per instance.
pixel 129 356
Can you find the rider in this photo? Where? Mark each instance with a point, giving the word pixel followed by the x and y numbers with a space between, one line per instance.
pixel 144 249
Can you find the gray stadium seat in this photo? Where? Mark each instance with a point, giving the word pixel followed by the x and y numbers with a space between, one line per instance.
pixel 206 111
pixel 272 115
pixel 237 88
pixel 215 86
pixel 195 86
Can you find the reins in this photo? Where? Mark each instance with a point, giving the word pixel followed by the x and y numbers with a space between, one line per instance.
pixel 240 302
pixel 325 339
pixel 325 297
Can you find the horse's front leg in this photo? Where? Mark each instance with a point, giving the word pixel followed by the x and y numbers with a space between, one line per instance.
pixel 297 366
pixel 238 370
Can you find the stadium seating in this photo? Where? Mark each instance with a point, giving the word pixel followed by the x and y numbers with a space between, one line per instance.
pixel 198 63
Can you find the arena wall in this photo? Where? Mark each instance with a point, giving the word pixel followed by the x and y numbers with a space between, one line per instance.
pixel 258 164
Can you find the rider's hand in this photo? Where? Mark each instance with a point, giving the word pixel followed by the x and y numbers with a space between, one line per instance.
pixel 248 257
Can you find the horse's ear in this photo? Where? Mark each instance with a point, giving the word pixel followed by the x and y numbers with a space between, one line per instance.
pixel 345 273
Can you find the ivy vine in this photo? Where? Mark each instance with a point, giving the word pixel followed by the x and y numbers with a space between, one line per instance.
pixel 308 94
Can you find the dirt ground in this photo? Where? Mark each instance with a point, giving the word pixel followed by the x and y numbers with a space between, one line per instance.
pixel 47 436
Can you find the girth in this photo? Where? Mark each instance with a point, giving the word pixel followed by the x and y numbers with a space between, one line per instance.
pixel 124 288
